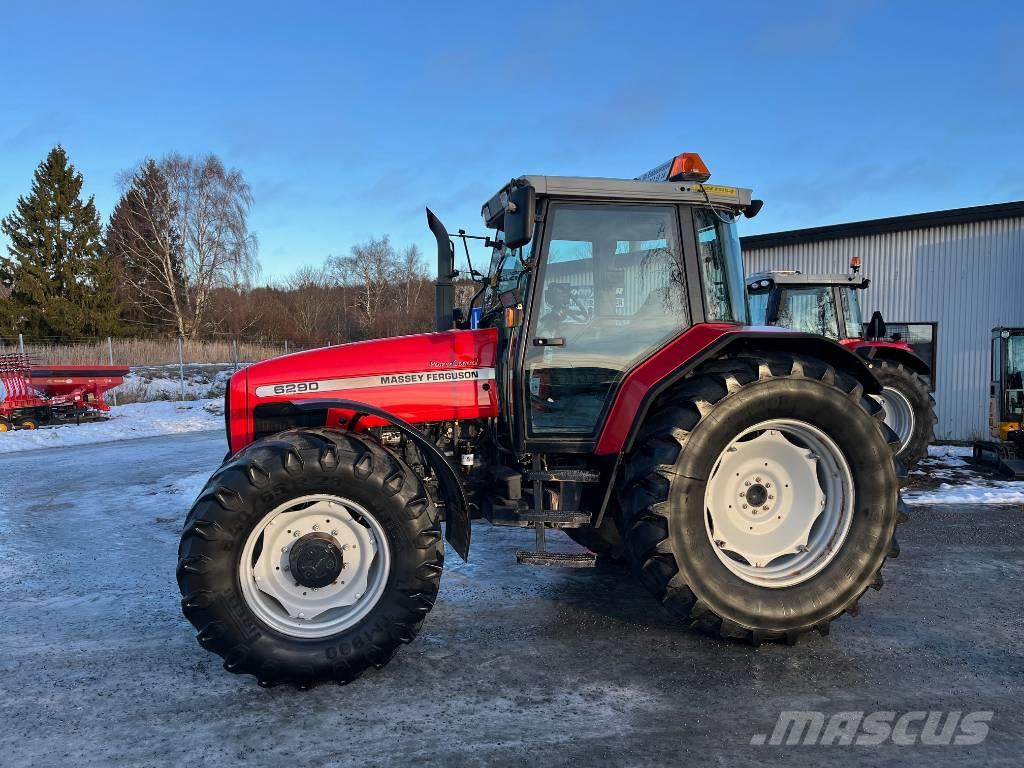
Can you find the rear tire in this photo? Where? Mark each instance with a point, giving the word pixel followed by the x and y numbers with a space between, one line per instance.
pixel 667 523
pixel 242 625
pixel 919 431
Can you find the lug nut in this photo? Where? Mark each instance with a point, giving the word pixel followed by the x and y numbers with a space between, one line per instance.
pixel 334 532
pixel 295 534
pixel 316 527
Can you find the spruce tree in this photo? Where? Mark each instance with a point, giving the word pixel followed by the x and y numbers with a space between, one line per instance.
pixel 145 249
pixel 62 284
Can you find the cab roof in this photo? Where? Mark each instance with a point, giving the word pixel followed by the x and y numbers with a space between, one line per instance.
pixel 765 281
pixel 586 187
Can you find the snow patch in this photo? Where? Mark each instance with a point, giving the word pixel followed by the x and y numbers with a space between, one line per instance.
pixel 995 492
pixel 939 451
pixel 126 422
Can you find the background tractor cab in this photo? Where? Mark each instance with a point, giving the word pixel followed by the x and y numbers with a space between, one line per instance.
pixel 829 305
pixel 1006 404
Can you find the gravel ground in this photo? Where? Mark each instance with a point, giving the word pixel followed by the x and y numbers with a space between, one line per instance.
pixel 515 664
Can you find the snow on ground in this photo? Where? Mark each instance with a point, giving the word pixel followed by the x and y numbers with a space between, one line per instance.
pixel 946 477
pixel 126 422
pixel 166 382
pixel 992 492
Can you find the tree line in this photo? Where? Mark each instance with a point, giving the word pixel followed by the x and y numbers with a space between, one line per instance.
pixel 177 258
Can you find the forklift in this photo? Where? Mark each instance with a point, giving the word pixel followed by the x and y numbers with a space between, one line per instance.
pixel 1006 405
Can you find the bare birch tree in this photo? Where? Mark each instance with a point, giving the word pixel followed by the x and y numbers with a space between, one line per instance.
pixel 370 270
pixel 180 233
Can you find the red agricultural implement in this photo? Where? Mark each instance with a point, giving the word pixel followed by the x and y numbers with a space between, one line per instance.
pixel 32 396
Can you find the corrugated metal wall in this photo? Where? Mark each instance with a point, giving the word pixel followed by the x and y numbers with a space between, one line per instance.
pixel 967 277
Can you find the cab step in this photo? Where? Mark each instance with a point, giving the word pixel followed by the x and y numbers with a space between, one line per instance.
pixel 557 559
pixel 564 475
pixel 523 518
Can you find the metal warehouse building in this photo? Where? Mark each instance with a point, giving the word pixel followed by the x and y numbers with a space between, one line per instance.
pixel 957 273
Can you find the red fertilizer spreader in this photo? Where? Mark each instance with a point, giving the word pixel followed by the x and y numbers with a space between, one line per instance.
pixel 36 395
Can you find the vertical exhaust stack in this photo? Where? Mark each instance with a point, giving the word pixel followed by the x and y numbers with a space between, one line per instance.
pixel 444 290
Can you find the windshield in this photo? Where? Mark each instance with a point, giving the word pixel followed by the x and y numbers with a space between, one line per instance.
pixel 758 305
pixel 811 310
pixel 852 313
pixel 1015 376
pixel 505 270
pixel 721 266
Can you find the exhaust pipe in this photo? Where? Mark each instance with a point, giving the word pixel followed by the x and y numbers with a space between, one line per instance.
pixel 444 290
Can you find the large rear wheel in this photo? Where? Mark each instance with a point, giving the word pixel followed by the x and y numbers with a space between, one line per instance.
pixel 310 556
pixel 761 498
pixel 909 409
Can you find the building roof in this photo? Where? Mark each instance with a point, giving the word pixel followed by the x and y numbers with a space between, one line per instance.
pixel 892 224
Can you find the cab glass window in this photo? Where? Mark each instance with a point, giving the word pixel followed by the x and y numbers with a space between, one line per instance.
pixel 811 310
pixel 852 313
pixel 721 262
pixel 613 290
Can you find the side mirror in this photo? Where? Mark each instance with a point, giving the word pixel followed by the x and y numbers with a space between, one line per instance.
pixel 876 326
pixel 753 209
pixel 519 215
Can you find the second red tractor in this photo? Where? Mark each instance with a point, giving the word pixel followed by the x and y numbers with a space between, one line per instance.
pixel 830 305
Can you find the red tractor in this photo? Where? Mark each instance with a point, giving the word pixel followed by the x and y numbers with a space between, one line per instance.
pixel 607 385
pixel 829 305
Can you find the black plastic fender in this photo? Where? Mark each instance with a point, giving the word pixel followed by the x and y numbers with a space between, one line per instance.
pixel 895 354
pixel 457 528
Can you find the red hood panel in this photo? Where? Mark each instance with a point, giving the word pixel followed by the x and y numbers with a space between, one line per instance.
pixel 421 378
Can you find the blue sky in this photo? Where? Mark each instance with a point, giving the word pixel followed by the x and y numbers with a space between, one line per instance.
pixel 348 118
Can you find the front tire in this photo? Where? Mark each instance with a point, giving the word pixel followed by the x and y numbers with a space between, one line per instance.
pixel 308 557
pixel 779 575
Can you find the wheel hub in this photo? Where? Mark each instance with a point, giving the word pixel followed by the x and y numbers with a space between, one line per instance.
pixel 315 560
pixel 314 566
pixel 899 414
pixel 778 503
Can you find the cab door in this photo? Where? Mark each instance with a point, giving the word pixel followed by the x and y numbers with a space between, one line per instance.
pixel 611 289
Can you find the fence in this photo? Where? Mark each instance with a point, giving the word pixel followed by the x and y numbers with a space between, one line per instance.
pixel 162 369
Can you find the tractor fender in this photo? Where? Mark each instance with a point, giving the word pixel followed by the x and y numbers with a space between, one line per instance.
pixel 753 341
pixel 456 507
pixel 895 354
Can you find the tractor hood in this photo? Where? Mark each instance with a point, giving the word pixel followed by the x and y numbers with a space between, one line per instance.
pixel 423 378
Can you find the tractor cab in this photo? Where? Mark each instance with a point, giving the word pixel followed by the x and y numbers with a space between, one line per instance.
pixel 828 305
pixel 590 276
pixel 1005 449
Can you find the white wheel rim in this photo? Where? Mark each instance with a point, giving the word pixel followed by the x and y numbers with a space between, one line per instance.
pixel 274 596
pixel 899 414
pixel 779 503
